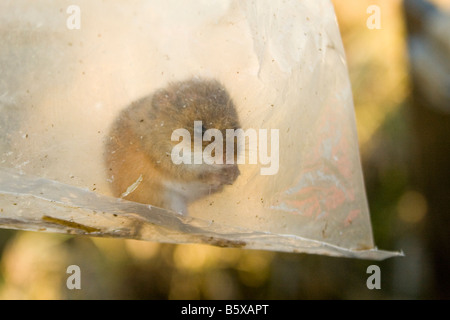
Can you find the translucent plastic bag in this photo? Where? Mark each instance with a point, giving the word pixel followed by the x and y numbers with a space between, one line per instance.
pixel 72 75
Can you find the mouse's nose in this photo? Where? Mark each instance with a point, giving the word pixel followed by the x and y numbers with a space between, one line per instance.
pixel 230 173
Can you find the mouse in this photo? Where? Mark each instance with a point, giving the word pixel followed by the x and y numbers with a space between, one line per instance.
pixel 139 145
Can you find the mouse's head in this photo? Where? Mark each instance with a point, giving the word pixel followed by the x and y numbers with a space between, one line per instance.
pixel 191 113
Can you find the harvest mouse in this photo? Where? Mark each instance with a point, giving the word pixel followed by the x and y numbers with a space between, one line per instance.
pixel 139 146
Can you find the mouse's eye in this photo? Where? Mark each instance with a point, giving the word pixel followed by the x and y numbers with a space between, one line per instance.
pixel 197 130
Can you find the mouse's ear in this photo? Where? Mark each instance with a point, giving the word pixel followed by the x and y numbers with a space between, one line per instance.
pixel 162 99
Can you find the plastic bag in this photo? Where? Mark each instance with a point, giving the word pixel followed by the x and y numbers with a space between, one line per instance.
pixel 69 72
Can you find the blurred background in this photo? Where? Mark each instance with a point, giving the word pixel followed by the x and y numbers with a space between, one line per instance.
pixel 401 87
